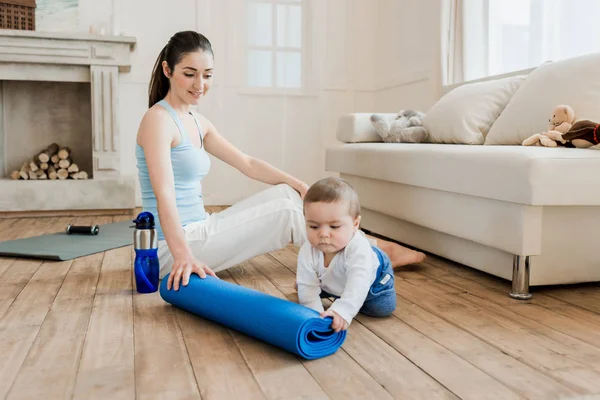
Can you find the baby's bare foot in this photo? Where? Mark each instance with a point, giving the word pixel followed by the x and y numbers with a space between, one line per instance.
pixel 401 256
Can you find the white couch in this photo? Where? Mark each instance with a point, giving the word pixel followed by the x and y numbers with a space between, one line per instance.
pixel 530 214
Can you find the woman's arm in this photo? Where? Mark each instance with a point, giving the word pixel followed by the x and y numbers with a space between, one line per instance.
pixel 155 139
pixel 252 167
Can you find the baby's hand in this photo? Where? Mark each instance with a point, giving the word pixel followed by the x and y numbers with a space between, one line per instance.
pixel 338 324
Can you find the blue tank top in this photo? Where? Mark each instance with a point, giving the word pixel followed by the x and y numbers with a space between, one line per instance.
pixel 190 165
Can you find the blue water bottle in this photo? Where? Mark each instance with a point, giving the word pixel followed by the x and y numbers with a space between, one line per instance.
pixel 145 243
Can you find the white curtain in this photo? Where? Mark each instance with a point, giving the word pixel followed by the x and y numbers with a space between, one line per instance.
pixel 491 37
pixel 452 41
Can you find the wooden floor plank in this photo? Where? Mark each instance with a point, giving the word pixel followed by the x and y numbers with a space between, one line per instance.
pixel 503 334
pixel 17 274
pixel 587 297
pixel 79 332
pixel 270 365
pixel 160 351
pixel 552 297
pixel 14 279
pixel 549 326
pixel 522 378
pixel 162 365
pixel 412 348
pixel 60 339
pixel 27 312
pixel 106 369
pixel 401 378
pixel 5 263
pixel 219 366
pixel 6 230
pixel 287 257
pixel 562 317
pixel 459 376
pixel 580 322
pixel 351 380
pixel 216 209
pixel 396 373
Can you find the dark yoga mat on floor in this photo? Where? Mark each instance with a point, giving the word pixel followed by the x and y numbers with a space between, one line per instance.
pixel 282 323
pixel 60 246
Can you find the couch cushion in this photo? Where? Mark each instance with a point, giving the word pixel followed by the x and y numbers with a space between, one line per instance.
pixel 466 113
pixel 357 127
pixel 573 81
pixel 525 175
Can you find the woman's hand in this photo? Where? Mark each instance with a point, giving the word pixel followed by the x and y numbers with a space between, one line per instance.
pixel 183 268
pixel 338 324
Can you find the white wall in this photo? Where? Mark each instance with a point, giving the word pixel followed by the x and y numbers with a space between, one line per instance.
pixel 368 55
pixel 408 54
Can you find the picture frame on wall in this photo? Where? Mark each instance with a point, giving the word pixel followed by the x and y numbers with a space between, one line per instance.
pixel 57 15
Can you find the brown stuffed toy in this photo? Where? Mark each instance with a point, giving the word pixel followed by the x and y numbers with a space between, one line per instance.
pixel 583 134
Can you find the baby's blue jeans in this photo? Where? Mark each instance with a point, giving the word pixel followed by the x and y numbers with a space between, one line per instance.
pixel 381 299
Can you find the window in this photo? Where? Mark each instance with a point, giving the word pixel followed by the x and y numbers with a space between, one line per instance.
pixel 500 36
pixel 276 43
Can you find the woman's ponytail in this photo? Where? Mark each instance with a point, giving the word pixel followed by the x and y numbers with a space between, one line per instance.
pixel 159 83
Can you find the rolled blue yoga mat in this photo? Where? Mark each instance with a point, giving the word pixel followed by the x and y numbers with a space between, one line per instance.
pixel 282 323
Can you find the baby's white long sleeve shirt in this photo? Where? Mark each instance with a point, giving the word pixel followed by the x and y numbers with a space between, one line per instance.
pixel 350 275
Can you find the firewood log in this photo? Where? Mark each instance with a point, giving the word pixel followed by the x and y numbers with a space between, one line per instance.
pixel 73 168
pixel 64 153
pixel 24 172
pixel 82 175
pixel 64 163
pixel 62 174
pixel 16 174
pixel 32 175
pixel 45 155
pixel 54 159
pixel 33 165
pixel 44 166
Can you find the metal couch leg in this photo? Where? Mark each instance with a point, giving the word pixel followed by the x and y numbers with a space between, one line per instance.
pixel 520 278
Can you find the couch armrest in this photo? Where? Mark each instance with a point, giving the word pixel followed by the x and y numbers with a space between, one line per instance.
pixel 357 127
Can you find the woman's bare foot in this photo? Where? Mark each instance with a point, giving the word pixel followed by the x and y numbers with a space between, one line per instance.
pixel 400 255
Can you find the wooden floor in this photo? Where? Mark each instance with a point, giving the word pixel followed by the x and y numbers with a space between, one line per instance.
pixel 77 329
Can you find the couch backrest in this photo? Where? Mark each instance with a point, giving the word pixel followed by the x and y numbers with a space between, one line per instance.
pixel 447 88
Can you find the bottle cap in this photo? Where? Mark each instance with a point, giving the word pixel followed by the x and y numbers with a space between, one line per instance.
pixel 144 220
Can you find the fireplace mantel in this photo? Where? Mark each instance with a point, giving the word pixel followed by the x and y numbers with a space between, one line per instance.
pixel 44 49
pixel 63 57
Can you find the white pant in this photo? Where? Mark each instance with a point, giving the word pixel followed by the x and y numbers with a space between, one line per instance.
pixel 267 221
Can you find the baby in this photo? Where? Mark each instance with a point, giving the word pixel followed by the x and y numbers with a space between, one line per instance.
pixel 338 260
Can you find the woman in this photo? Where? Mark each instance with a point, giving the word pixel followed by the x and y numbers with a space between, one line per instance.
pixel 172 158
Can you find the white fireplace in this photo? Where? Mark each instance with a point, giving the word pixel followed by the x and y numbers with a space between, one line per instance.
pixel 62 88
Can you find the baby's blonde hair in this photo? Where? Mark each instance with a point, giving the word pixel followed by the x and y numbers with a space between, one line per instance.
pixel 333 190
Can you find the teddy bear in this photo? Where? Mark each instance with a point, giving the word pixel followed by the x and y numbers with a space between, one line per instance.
pixel 563 117
pixel 406 127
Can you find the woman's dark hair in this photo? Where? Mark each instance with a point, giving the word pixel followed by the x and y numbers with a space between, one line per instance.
pixel 180 44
